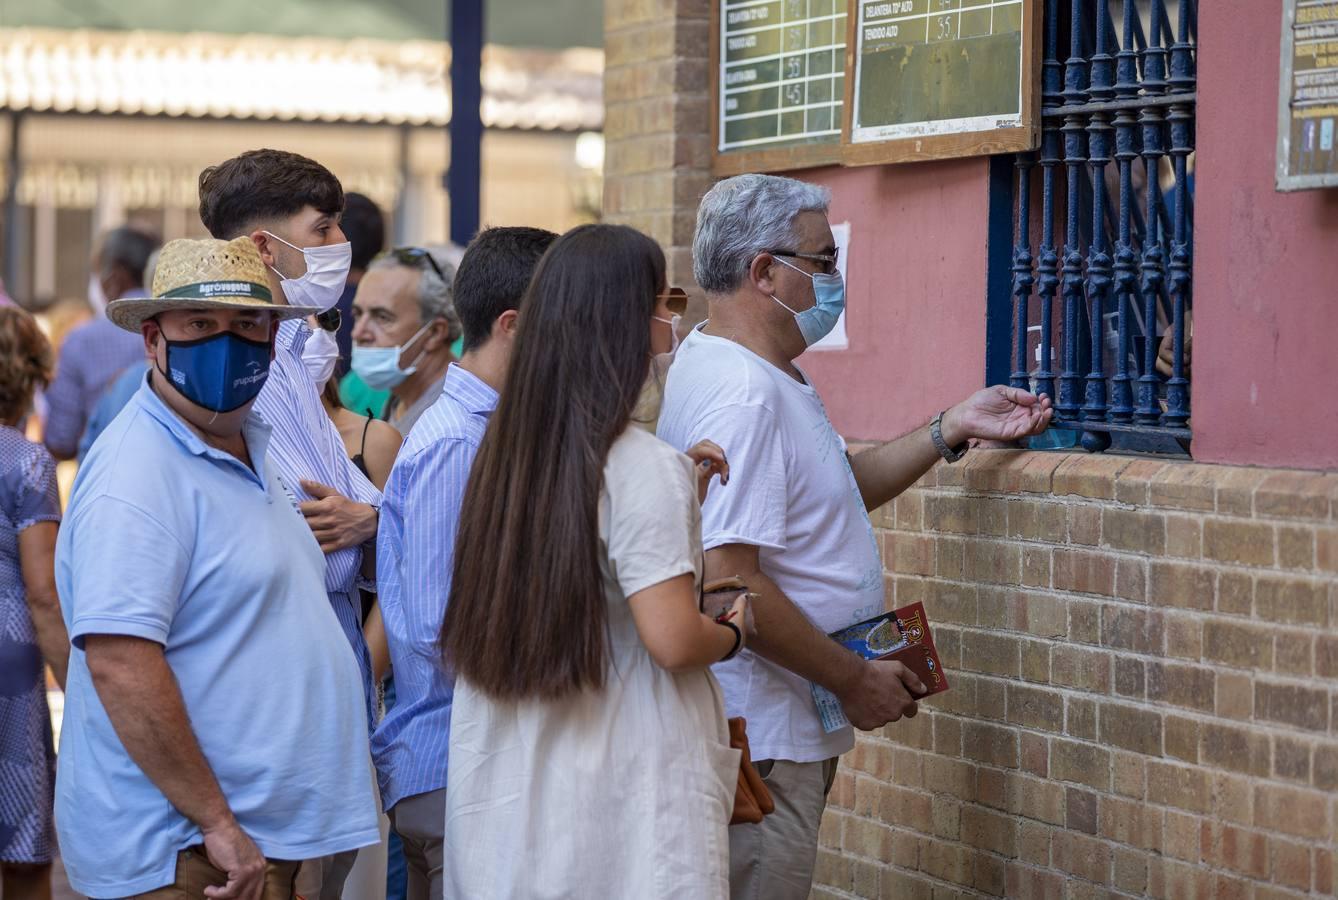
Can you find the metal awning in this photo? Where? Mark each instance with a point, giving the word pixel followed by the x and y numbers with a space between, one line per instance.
pixel 261 77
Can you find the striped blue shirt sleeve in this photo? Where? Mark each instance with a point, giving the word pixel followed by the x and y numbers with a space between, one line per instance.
pixel 415 560
pixel 427 495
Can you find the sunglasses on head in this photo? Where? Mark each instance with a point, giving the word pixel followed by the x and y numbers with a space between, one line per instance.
pixel 416 256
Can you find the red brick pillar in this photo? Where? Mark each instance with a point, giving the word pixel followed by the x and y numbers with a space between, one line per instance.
pixel 657 121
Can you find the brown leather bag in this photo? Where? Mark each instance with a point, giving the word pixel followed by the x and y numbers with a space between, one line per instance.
pixel 752 800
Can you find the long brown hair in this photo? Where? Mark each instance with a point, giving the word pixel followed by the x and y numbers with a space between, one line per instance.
pixel 26 362
pixel 526 618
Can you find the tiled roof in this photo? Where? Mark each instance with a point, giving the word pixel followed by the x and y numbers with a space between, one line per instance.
pixel 259 77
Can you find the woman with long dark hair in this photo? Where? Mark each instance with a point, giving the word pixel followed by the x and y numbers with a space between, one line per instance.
pixel 589 754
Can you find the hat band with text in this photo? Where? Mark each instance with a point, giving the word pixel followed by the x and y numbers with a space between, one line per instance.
pixel 211 290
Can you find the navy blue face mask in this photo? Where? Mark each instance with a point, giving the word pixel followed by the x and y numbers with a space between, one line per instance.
pixel 221 372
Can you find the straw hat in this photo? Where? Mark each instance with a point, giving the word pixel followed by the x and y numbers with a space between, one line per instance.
pixel 207 274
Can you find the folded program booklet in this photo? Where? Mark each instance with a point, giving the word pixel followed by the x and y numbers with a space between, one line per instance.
pixel 902 635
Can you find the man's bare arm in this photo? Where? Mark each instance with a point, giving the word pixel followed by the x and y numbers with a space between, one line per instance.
pixel 883 472
pixel 378 648
pixel 872 693
pixel 994 413
pixel 143 702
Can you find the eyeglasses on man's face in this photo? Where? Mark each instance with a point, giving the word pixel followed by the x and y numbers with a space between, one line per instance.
pixel 826 263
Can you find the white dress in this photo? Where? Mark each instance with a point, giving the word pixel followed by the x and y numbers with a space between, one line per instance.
pixel 624 792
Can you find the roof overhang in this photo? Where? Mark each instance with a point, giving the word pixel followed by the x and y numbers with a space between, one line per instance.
pixel 265 78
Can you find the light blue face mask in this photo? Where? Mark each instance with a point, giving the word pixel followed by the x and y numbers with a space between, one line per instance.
pixel 379 367
pixel 829 296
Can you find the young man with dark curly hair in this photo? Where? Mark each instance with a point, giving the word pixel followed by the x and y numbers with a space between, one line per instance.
pixel 289 206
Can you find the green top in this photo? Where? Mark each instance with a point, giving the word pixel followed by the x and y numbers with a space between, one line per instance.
pixel 358 397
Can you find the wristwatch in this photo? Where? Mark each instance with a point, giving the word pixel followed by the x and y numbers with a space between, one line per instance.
pixel 951 454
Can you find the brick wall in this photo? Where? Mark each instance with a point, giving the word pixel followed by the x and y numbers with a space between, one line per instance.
pixel 1143 654
pixel 657 120
pixel 1145 687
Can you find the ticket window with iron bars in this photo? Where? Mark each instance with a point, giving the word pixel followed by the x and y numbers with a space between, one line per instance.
pixel 1098 303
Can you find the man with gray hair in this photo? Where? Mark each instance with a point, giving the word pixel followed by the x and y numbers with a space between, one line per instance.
pixel 404 324
pixel 793 523
pixel 97 352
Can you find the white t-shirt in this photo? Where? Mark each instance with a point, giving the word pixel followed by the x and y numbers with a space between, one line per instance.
pixel 791 493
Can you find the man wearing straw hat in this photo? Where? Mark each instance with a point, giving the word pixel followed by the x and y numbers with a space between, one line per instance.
pixel 214 732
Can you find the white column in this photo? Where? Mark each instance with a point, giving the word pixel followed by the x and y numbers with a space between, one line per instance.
pixel 174 221
pixel 109 210
pixel 44 237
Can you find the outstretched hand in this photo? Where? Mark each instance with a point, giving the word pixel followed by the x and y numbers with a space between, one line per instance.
pixel 997 413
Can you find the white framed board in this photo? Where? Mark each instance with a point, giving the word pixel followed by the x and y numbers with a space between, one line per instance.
pixel 777 85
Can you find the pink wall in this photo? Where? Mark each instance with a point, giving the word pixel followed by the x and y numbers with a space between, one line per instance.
pixel 916 294
pixel 1265 376
pixel 1265 360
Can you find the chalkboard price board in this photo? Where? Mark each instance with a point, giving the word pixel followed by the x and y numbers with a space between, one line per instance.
pixel 941 78
pixel 1308 101
pixel 778 83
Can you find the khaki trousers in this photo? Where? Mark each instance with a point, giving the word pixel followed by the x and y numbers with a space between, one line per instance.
pixel 195 873
pixel 774 859
pixel 323 878
pixel 420 821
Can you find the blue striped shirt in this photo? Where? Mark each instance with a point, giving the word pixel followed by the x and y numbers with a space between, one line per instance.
pixel 305 445
pixel 415 550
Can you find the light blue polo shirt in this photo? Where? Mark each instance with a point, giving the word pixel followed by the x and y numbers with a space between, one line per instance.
pixel 170 540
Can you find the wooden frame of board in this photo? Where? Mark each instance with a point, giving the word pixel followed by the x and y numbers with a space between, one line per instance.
pixel 774 159
pixel 947 146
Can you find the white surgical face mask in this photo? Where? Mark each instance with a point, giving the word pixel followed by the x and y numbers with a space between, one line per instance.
pixel 327 271
pixel 673 324
pixel 319 355
pixel 97 298
pixel 646 412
